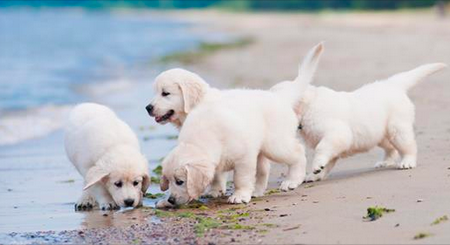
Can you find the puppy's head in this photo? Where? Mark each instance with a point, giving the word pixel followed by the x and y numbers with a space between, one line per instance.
pixel 177 92
pixel 186 174
pixel 124 173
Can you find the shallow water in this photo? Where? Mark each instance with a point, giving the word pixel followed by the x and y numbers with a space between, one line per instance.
pixel 72 56
pixel 54 57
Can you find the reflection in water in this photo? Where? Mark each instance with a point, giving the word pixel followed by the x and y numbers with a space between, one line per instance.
pixel 124 218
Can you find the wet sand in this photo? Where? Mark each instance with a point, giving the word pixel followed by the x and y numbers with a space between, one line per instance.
pixel 360 48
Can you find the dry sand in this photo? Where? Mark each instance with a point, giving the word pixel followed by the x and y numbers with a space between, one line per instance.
pixel 360 48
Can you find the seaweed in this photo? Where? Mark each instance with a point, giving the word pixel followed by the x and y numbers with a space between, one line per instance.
pixel 163 214
pixel 421 235
pixel 269 225
pixel 67 181
pixel 157 170
pixel 154 196
pixel 155 180
pixel 204 49
pixel 440 220
pixel 204 224
pixel 237 226
pixel 272 191
pixel 374 213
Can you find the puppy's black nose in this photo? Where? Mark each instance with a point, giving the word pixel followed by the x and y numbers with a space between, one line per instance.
pixel 129 202
pixel 171 200
pixel 149 109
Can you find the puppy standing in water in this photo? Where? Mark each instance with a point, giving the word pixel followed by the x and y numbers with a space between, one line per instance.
pixel 235 130
pixel 340 124
pixel 106 152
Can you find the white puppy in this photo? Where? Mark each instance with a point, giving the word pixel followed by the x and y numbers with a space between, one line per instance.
pixel 177 92
pixel 235 130
pixel 340 124
pixel 106 152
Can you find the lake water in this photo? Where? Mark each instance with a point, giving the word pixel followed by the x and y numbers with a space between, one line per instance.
pixel 51 59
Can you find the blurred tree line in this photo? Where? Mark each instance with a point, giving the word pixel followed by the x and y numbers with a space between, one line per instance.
pixel 309 5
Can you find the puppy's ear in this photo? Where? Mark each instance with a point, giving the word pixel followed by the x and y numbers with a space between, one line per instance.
pixel 145 183
pixel 94 175
pixel 164 183
pixel 193 89
pixel 199 176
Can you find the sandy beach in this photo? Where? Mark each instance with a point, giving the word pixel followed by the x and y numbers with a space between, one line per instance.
pixel 359 48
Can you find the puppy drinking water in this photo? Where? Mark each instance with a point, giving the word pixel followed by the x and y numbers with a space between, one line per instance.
pixel 235 130
pixel 340 124
pixel 106 152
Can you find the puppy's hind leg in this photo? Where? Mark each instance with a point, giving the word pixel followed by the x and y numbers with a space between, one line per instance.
pixel 390 154
pixel 262 176
pixel 86 201
pixel 293 154
pixel 402 137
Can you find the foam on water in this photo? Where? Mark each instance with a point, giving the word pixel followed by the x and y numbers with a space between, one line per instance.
pixel 23 125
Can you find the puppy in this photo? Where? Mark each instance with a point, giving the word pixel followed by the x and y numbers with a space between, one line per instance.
pixel 235 130
pixel 106 152
pixel 177 92
pixel 340 124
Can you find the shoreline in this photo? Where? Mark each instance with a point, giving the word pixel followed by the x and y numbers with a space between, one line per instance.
pixel 360 48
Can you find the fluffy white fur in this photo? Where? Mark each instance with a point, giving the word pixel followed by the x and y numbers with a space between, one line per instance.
pixel 340 124
pixel 236 130
pixel 106 152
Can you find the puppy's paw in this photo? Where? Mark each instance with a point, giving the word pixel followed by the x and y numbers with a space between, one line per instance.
pixel 407 164
pixel 289 185
pixel 163 204
pixel 318 169
pixel 313 178
pixel 109 206
pixel 237 198
pixel 215 193
pixel 258 193
pixel 85 204
pixel 384 164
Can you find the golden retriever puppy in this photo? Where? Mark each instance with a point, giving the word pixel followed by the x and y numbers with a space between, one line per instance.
pixel 106 152
pixel 340 124
pixel 235 131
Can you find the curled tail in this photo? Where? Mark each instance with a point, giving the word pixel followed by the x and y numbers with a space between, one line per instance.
pixel 293 90
pixel 409 79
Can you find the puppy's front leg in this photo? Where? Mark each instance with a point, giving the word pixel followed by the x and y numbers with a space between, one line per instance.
pixel 219 185
pixel 329 148
pixel 323 174
pixel 103 198
pixel 244 181
pixel 86 201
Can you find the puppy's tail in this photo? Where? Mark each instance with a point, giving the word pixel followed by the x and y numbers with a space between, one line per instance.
pixel 293 91
pixel 408 79
pixel 309 65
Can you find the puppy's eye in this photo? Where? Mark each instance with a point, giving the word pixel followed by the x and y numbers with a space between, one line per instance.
pixel 164 94
pixel 135 183
pixel 118 184
pixel 179 182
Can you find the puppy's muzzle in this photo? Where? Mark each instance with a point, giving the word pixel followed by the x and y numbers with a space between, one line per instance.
pixel 172 200
pixel 129 202
pixel 149 109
